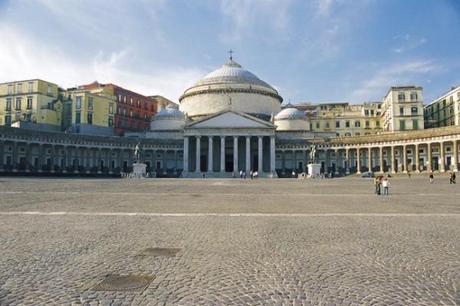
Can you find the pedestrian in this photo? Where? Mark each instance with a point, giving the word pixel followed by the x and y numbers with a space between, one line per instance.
pixel 241 174
pixel 431 177
pixel 454 177
pixel 450 177
pixel 385 185
pixel 251 174
pixel 377 185
pixel 408 173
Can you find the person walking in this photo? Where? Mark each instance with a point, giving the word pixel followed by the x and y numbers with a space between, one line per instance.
pixel 377 185
pixel 386 186
pixel 450 177
pixel 454 177
pixel 408 173
pixel 431 177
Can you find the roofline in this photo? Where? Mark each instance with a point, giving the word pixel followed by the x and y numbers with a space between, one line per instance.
pixel 403 87
pixel 247 116
pixel 443 96
pixel 28 80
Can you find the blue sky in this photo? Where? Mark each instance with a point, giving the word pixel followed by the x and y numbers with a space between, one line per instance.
pixel 311 50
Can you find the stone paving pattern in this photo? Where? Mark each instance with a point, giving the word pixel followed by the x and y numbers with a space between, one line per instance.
pixel 400 250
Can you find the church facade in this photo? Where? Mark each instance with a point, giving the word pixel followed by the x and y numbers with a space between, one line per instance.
pixel 231 121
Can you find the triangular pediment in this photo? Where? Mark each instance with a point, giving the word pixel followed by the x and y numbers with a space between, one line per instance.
pixel 230 119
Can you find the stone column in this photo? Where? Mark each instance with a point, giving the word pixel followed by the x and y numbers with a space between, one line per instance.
pixel 41 157
pixel 2 152
pixel 283 161
pixel 14 158
pixel 185 155
pixel 429 167
pixel 248 154
pixel 336 152
pixel 235 154
pixel 455 157
pixel 272 154
pixel 347 158
pixel 198 155
pixel 393 161
pixel 417 159
pixel 165 161
pixel 358 164
pixel 260 155
pixel 369 162
pixel 29 156
pixel 210 151
pixel 222 154
pixel 382 169
pixel 442 162
pixel 404 148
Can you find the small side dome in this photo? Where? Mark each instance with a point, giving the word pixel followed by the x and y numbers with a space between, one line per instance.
pixel 290 113
pixel 168 118
pixel 292 119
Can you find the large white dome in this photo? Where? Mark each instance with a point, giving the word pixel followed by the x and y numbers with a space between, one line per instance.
pixel 292 119
pixel 230 87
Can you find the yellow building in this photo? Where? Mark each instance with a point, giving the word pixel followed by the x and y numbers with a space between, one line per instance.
pixel 402 109
pixel 31 102
pixel 92 112
pixel 444 111
pixel 344 119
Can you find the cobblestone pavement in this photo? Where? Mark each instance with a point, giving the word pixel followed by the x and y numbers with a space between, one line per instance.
pixel 265 242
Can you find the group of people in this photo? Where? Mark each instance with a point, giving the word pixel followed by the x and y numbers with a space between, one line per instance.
pixel 382 185
pixel 252 174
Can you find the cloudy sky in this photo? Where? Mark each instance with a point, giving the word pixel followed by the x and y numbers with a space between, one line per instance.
pixel 310 50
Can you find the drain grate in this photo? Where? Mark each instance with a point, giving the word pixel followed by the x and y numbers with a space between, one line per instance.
pixel 115 282
pixel 167 252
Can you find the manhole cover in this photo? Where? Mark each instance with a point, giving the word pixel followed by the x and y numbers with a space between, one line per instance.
pixel 168 252
pixel 124 283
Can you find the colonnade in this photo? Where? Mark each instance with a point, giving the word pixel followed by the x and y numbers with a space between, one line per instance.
pixel 221 154
pixel 400 157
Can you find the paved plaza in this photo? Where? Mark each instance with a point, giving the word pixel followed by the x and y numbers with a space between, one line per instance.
pixel 260 242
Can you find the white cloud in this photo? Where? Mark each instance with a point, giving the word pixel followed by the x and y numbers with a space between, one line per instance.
pixel 247 17
pixel 408 42
pixel 25 58
pixel 408 73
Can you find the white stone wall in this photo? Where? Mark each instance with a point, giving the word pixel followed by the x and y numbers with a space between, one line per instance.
pixel 292 125
pixel 210 103
pixel 166 124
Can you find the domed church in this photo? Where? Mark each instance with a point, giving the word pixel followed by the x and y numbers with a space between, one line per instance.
pixel 230 121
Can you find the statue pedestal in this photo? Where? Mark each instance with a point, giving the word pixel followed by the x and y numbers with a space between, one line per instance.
pixel 314 170
pixel 139 170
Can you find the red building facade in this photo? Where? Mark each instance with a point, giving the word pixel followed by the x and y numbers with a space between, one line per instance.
pixel 134 111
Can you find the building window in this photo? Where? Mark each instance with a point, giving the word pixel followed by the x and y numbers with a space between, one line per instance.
pixel 10 89
pixel 138 103
pixel 367 124
pixel 327 125
pixel 317 125
pixel 337 124
pixel 402 125
pixel 119 98
pixel 357 134
pixel 131 101
pixel 77 117
pixel 372 112
pixel 19 87
pixel 415 124
pixel 401 111
pixel 413 96
pixel 18 104
pixel 414 110
pixel 8 104
pixel 29 102
pixel 90 103
pixel 90 118
pixel 124 111
pixel 401 97
pixel 49 89
pixel 124 98
pixel 347 124
pixel 377 123
pixel 31 87
pixel 357 124
pixel 366 112
pixel 110 121
pixel 8 120
pixel 78 102
pixel 110 108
